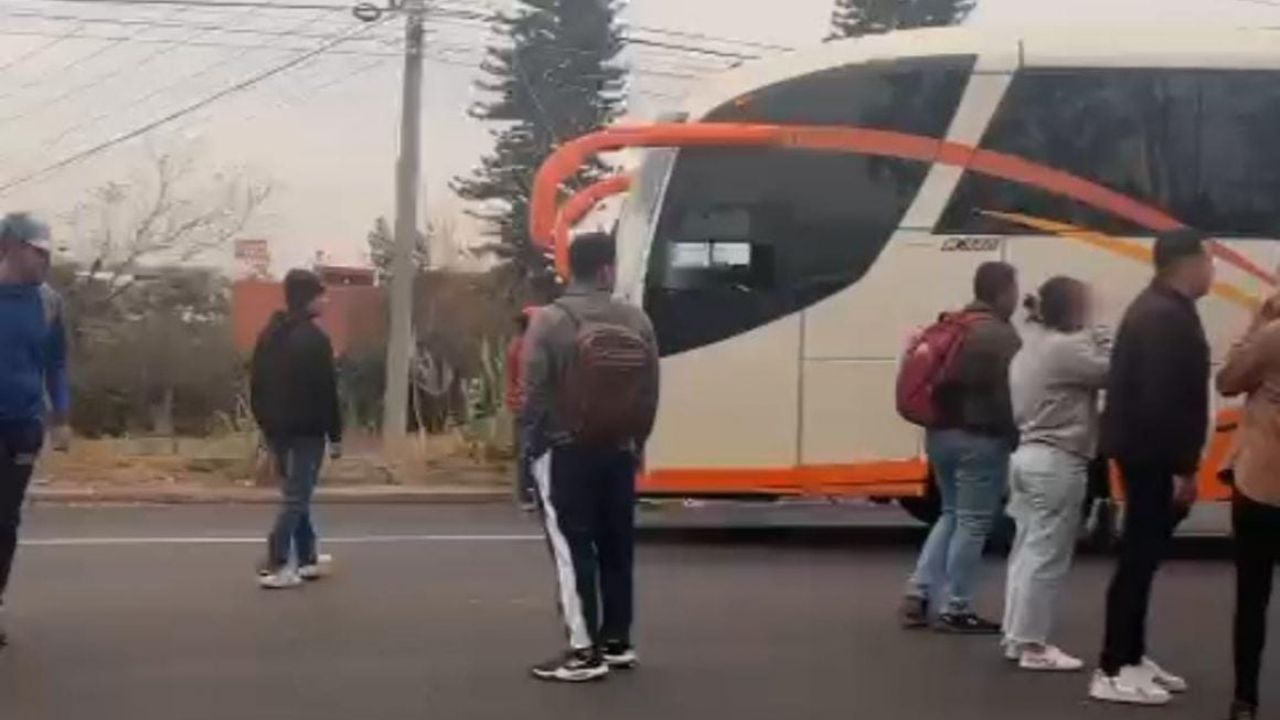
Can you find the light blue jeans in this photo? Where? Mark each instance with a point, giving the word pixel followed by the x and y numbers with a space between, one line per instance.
pixel 1047 487
pixel 971 472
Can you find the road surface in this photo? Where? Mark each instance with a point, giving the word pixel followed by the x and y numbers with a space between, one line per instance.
pixel 141 613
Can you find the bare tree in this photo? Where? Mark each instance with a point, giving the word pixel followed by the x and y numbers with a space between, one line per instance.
pixel 167 218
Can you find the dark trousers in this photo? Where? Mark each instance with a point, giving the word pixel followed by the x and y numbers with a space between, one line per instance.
pixel 1257 547
pixel 1149 520
pixel 19 445
pixel 526 489
pixel 587 497
pixel 298 460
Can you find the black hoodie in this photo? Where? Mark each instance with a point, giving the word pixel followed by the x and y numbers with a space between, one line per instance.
pixel 293 383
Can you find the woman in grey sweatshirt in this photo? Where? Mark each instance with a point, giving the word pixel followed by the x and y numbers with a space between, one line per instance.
pixel 1055 381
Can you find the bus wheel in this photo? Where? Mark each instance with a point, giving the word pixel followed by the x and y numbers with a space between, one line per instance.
pixel 925 508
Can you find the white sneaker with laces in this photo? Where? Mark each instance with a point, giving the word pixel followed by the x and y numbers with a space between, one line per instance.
pixel 1049 658
pixel 1164 678
pixel 1133 686
pixel 281 579
pixel 321 568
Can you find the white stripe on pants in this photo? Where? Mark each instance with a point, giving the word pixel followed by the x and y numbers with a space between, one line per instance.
pixel 566 578
pixel 1047 491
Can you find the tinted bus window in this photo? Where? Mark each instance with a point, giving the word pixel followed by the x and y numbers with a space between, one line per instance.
pixel 1199 145
pixel 746 236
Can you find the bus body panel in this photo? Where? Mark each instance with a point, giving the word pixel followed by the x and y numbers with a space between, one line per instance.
pixel 804 402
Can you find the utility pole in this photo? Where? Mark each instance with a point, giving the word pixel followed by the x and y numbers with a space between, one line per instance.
pixel 408 186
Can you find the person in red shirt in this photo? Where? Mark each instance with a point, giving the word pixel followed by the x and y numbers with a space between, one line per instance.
pixel 525 493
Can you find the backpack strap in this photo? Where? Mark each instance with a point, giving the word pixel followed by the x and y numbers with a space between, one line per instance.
pixel 573 317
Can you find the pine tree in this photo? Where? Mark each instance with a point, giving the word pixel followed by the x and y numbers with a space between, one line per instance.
pixel 555 81
pixel 856 18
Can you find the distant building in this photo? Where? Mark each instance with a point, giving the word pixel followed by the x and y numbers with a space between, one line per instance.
pixel 355 307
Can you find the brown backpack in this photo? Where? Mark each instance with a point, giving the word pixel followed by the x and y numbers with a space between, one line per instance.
pixel 604 400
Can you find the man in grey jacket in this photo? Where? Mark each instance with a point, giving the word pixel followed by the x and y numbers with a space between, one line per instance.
pixel 585 469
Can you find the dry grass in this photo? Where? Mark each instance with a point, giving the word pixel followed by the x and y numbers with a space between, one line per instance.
pixel 235 459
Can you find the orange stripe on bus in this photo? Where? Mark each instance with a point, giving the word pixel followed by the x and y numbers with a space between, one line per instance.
pixel 568 158
pixel 895 478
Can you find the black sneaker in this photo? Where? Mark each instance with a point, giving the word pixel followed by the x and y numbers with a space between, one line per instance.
pixel 619 655
pixel 914 613
pixel 574 666
pixel 1243 711
pixel 966 623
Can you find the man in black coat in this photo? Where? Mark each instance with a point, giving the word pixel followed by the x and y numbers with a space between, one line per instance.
pixel 294 393
pixel 1155 426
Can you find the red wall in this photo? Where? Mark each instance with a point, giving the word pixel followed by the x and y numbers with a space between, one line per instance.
pixel 350 311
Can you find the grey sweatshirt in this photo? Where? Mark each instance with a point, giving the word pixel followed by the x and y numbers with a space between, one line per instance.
pixel 550 345
pixel 1055 381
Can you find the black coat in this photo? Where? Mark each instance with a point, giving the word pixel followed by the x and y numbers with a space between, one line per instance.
pixel 293 383
pixel 1157 414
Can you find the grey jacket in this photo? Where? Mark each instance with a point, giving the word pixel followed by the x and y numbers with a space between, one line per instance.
pixel 1055 381
pixel 550 345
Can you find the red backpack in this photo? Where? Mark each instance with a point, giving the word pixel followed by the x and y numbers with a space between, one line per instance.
pixel 927 364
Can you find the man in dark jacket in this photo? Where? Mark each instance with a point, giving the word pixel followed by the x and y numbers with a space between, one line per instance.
pixel 294 394
pixel 1155 426
pixel 969 453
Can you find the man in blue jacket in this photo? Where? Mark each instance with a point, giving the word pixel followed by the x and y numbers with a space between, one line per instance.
pixel 33 372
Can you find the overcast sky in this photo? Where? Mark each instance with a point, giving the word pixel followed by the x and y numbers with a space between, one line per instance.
pixel 324 134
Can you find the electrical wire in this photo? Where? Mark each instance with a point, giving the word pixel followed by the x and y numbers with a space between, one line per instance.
pixel 177 114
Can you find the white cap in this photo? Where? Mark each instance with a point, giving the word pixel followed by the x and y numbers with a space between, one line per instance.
pixel 26 229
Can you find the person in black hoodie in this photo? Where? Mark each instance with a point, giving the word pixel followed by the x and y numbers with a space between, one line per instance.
pixel 1155 426
pixel 294 394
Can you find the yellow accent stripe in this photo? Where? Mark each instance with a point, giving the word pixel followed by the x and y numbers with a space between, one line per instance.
pixel 1132 250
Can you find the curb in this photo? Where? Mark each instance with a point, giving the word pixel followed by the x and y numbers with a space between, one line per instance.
pixel 266 496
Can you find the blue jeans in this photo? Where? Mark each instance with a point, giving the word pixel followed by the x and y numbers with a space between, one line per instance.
pixel 298 460
pixel 971 472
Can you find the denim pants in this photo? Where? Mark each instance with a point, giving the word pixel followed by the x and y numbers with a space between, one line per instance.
pixel 298 460
pixel 1047 487
pixel 971 473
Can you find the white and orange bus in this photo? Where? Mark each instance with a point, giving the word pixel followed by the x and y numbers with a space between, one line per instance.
pixel 803 216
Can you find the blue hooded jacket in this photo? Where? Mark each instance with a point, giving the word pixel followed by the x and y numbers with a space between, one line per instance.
pixel 33 355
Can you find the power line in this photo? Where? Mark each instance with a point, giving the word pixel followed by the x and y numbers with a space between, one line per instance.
pixel 189 44
pixel 137 102
pixel 175 115
pixel 257 4
pixel 40 49
pixel 212 27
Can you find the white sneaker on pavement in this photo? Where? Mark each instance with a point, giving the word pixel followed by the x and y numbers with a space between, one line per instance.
pixel 1164 678
pixel 1012 651
pixel 1133 686
pixel 1049 658
pixel 281 579
pixel 321 568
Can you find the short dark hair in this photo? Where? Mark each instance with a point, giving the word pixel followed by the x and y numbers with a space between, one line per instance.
pixel 589 253
pixel 992 280
pixel 1058 304
pixel 300 288
pixel 1174 246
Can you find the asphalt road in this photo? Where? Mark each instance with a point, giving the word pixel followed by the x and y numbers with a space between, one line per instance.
pixel 140 613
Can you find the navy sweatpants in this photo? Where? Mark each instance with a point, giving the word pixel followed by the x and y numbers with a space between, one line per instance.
pixel 587 496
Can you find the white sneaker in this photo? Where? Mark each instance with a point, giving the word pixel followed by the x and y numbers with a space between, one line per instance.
pixel 1132 686
pixel 282 579
pixel 1049 658
pixel 321 568
pixel 1164 678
